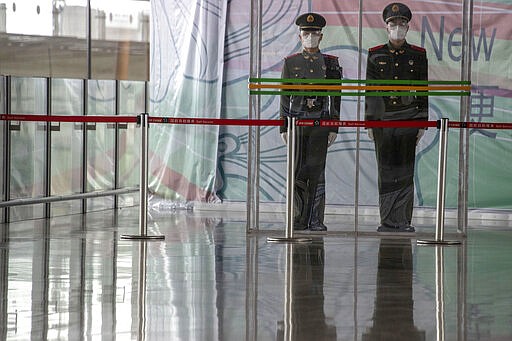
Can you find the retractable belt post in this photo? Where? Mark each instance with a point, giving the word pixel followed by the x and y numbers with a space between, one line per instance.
pixel 143 121
pixel 441 187
pixel 290 182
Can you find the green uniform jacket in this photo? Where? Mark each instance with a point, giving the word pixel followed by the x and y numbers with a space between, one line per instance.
pixel 409 62
pixel 313 66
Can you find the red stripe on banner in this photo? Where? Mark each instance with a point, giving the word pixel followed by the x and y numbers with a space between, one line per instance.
pixel 62 118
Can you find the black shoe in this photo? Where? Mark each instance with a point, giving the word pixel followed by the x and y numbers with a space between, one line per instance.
pixel 408 228
pixel 317 227
pixel 386 228
pixel 299 227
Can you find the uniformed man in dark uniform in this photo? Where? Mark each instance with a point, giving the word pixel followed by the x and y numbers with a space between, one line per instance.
pixel 396 147
pixel 312 142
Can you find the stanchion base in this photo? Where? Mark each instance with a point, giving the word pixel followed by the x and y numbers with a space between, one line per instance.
pixel 439 242
pixel 141 237
pixel 289 240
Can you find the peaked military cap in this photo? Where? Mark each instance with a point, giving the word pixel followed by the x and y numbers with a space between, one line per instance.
pixel 396 10
pixel 310 22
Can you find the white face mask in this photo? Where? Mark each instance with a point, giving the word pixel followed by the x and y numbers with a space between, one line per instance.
pixel 310 41
pixel 397 32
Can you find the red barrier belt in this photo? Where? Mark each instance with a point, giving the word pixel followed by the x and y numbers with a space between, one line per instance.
pixel 367 124
pixel 67 118
pixel 216 121
pixel 253 122
pixel 480 125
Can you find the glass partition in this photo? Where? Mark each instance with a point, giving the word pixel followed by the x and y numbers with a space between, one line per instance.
pixel 438 38
pixel 132 101
pixel 330 187
pixel 3 124
pixel 66 144
pixel 28 146
pixel 489 149
pixel 100 142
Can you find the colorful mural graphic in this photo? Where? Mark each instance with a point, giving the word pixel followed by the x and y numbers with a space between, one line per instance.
pixel 200 62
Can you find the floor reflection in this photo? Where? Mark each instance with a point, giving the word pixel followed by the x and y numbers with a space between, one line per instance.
pixel 72 278
pixel 393 317
pixel 304 317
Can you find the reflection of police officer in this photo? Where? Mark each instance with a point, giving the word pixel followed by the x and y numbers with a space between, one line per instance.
pixel 306 289
pixel 312 142
pixel 396 147
pixel 393 317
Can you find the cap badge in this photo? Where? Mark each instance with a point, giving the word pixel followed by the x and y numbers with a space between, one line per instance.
pixel 395 8
pixel 411 62
pixel 310 18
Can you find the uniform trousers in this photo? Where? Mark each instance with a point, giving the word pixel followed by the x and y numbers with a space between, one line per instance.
pixel 395 152
pixel 309 189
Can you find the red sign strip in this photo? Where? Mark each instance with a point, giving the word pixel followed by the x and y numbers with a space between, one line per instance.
pixel 216 121
pixel 62 118
pixel 367 124
pixel 479 125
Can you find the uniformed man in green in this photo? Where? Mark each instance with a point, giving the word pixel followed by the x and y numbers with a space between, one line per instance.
pixel 395 148
pixel 312 142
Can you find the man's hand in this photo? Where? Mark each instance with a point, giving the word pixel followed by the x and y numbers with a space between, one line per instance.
pixel 370 133
pixel 284 137
pixel 331 138
pixel 420 135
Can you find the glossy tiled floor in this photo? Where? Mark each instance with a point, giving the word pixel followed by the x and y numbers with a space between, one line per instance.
pixel 74 278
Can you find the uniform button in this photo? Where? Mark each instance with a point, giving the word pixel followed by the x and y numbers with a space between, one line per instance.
pixel 396 77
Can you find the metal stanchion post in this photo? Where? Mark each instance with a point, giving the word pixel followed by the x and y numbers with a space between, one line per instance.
pixel 440 293
pixel 288 296
pixel 290 181
pixel 141 302
pixel 143 186
pixel 441 190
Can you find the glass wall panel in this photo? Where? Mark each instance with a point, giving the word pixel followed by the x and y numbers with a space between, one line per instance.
pixel 2 137
pixel 66 144
pixel 437 29
pixel 132 97
pixel 28 146
pixel 340 39
pixel 100 142
pixel 120 44
pixel 333 185
pixel 491 100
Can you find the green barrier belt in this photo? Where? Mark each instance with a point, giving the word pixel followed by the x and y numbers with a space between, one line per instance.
pixel 361 93
pixel 355 81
